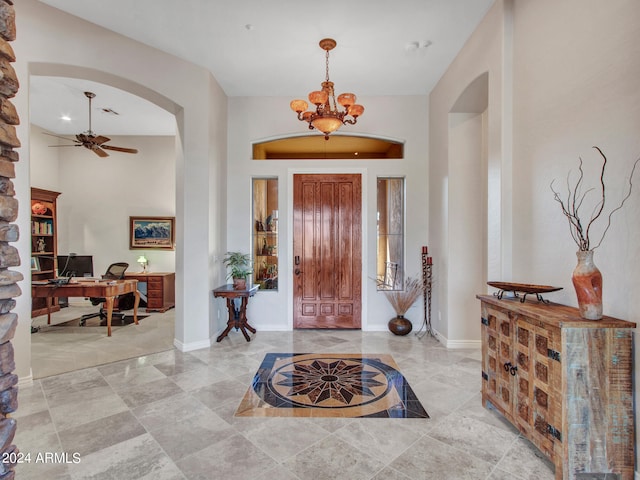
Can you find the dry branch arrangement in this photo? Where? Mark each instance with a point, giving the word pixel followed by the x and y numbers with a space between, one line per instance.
pixel 401 300
pixel 574 201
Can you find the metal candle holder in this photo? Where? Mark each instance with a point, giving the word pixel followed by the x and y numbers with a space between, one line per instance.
pixel 427 265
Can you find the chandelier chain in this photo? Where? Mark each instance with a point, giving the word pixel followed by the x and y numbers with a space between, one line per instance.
pixel 327 65
pixel 331 102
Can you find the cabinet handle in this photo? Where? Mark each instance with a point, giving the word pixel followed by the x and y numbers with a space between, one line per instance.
pixel 510 368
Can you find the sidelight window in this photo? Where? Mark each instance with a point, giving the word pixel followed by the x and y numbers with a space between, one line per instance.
pixel 390 222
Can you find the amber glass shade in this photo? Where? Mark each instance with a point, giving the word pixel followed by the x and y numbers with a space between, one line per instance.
pixel 326 124
pixel 355 110
pixel 306 116
pixel 298 105
pixel 346 99
pixel 318 97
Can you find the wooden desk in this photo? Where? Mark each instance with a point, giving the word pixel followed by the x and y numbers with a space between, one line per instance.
pixel 161 289
pixel 107 289
pixel 237 316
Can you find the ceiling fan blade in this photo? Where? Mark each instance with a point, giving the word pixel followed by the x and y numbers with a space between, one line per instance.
pixel 76 145
pixel 59 136
pixel 95 149
pixel 100 139
pixel 98 151
pixel 120 149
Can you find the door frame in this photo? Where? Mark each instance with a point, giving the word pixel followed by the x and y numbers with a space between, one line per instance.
pixel 287 263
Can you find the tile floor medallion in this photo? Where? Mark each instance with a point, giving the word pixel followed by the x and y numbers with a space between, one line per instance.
pixel 330 385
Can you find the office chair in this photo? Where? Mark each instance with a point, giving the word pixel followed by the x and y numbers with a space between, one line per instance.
pixel 114 272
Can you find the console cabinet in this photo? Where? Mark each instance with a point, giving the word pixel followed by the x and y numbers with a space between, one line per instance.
pixel 564 382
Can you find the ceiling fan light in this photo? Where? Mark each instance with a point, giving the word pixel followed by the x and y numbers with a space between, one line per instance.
pixel 326 125
pixel 298 106
pixel 346 99
pixel 319 97
pixel 355 110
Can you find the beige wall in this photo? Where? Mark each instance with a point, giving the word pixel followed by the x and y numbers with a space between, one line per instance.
pixel 575 74
pixel 53 43
pixel 567 73
pixel 448 192
pixel 247 125
pixel 99 195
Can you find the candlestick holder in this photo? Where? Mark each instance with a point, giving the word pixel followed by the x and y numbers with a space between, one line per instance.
pixel 427 271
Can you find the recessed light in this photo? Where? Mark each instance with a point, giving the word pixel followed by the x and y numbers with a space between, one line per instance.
pixel 66 118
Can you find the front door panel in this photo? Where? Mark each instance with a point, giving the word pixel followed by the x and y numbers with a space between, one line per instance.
pixel 327 217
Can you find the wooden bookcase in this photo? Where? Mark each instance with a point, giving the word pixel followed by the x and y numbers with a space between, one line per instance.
pixel 564 382
pixel 44 243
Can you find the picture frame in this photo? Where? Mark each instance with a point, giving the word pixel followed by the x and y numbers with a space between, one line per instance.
pixel 152 233
pixel 35 264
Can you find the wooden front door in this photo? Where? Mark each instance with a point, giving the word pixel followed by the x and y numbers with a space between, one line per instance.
pixel 327 244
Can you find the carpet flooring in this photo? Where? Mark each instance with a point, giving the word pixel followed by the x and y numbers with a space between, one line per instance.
pixel 330 385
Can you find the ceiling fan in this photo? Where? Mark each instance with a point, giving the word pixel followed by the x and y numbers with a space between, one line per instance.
pixel 88 139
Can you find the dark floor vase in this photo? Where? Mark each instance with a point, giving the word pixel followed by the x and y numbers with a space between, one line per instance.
pixel 400 325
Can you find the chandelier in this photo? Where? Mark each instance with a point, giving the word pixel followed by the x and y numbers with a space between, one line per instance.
pixel 326 117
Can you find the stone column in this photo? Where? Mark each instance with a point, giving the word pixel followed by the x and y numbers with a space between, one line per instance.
pixel 9 256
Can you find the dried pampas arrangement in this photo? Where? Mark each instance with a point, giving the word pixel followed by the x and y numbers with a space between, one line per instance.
pixel 402 300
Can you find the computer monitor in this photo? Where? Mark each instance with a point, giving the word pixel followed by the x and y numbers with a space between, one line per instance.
pixel 75 265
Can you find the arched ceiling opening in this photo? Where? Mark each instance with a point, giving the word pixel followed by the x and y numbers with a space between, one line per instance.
pixel 315 147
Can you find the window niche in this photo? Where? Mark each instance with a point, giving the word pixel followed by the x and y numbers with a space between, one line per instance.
pixel 390 223
pixel 265 233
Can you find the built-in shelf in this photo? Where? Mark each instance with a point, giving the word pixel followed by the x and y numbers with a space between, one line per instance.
pixel 265 233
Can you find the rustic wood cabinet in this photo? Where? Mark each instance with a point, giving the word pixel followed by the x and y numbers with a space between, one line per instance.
pixel 564 382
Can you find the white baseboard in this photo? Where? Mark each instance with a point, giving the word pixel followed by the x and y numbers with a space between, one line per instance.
pixel 189 347
pixel 458 344
pixel 26 381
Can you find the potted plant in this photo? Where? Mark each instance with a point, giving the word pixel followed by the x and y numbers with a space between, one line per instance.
pixel 401 301
pixel 239 265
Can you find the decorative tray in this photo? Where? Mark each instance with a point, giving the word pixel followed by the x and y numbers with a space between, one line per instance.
pixel 525 288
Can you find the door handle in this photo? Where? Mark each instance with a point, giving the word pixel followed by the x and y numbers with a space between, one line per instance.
pixel 297 271
pixel 296 260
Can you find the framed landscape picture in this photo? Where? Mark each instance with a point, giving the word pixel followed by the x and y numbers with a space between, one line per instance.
pixel 152 233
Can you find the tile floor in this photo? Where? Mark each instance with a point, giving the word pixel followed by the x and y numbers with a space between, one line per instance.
pixel 57 350
pixel 170 415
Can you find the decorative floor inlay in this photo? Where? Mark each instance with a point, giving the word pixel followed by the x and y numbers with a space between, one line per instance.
pixel 330 385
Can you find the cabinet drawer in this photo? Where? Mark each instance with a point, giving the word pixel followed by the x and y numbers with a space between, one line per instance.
pixel 154 302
